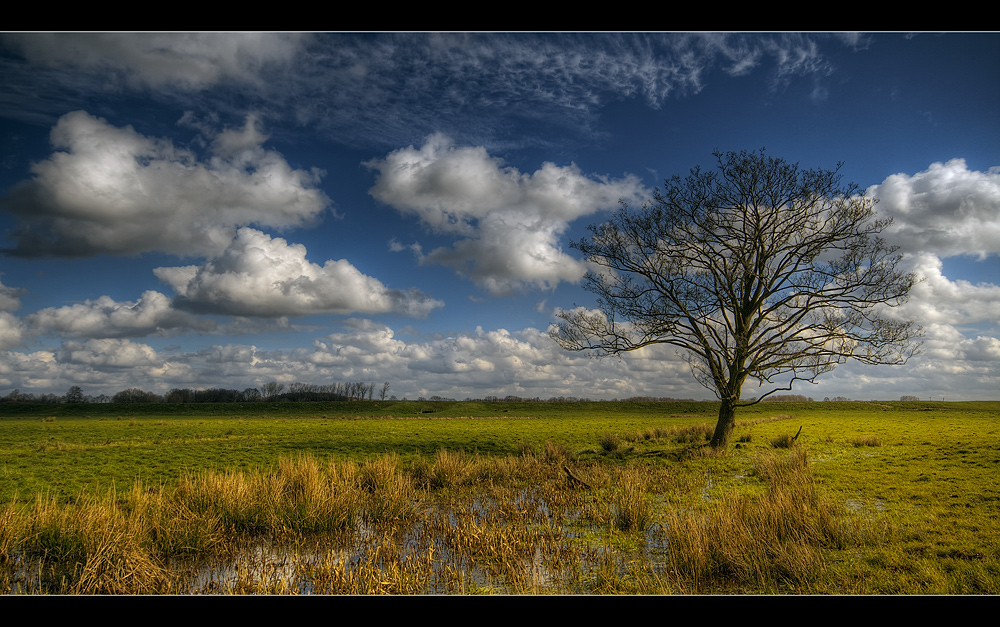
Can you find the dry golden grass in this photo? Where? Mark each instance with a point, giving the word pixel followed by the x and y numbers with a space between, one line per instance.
pixel 691 434
pixel 770 542
pixel 868 440
pixel 631 509
pixel 93 547
pixel 452 523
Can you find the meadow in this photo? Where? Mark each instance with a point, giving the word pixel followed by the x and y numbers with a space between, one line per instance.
pixel 412 497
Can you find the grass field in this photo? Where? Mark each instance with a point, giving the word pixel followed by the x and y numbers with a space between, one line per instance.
pixel 470 497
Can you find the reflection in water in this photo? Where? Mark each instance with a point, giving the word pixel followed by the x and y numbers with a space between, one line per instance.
pixel 459 550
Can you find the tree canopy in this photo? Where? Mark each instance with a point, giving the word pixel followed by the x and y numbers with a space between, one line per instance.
pixel 757 269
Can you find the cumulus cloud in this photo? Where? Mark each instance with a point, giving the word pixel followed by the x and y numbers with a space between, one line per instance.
pixel 192 61
pixel 510 222
pixel 113 190
pixel 982 348
pixel 947 209
pixel 108 353
pixel 152 314
pixel 940 300
pixel 258 275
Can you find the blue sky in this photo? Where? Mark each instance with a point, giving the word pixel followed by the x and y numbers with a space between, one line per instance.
pixel 221 210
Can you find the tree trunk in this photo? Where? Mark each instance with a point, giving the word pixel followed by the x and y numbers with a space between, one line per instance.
pixel 724 428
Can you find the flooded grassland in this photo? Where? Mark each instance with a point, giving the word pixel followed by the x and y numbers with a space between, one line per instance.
pixel 850 506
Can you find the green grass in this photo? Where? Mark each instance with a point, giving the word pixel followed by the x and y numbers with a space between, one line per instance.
pixel 119 444
pixel 904 496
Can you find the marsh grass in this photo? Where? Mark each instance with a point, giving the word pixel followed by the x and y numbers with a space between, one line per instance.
pixel 380 571
pixel 631 508
pixel 557 453
pixel 390 497
pixel 770 542
pixel 93 547
pixel 456 523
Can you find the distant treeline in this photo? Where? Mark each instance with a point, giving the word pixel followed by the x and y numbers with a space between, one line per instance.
pixel 278 393
pixel 275 392
pixel 269 392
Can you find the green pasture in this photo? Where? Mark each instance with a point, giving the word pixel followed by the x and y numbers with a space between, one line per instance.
pixel 60 449
pixel 928 452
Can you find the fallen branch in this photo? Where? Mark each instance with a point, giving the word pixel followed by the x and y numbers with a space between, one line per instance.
pixel 574 480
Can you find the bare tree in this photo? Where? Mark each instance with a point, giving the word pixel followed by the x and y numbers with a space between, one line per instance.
pixel 756 270
pixel 271 389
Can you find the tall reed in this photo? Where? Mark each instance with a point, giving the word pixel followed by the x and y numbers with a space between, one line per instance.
pixel 770 541
pixel 631 510
pixel 92 547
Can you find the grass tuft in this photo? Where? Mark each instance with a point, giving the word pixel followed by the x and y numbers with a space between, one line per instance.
pixel 785 440
pixel 631 509
pixel 771 542
pixel 610 442
pixel 869 440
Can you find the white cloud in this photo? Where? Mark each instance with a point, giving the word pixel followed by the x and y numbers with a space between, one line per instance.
pixel 986 349
pixel 112 190
pixel 152 314
pixel 192 61
pixel 939 300
pixel 262 276
pixel 108 353
pixel 35 372
pixel 510 221
pixel 524 363
pixel 100 366
pixel 12 331
pixel 947 209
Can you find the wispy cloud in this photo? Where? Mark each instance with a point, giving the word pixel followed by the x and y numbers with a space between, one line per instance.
pixel 386 89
